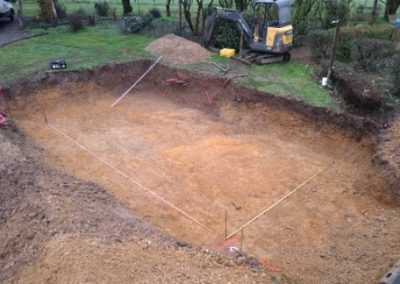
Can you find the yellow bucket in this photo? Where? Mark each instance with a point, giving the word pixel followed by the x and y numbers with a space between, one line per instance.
pixel 227 52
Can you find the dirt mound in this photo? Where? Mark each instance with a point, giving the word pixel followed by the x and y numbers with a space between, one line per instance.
pixel 178 50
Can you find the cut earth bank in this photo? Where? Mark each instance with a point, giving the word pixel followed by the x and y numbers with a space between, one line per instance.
pixel 207 149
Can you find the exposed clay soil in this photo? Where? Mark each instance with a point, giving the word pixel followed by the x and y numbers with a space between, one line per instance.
pixel 55 228
pixel 204 155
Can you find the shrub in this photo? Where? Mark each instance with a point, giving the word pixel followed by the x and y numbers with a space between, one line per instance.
pixel 369 53
pixel 147 19
pixel 81 12
pixel 344 47
pixel 75 22
pixel 155 13
pixel 61 11
pixel 357 91
pixel 384 31
pixel 320 42
pixel 336 9
pixel 226 35
pixel 132 24
pixel 102 8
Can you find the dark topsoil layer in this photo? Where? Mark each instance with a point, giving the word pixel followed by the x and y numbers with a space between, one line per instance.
pixel 52 203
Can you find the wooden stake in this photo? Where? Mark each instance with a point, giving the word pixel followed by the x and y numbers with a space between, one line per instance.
pixel 241 239
pixel 226 225
pixel 335 41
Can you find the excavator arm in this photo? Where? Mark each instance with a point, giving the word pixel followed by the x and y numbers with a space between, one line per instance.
pixel 229 14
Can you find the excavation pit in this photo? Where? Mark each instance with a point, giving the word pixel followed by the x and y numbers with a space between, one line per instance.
pixel 212 151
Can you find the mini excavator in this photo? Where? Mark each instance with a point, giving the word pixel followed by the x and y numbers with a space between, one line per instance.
pixel 271 37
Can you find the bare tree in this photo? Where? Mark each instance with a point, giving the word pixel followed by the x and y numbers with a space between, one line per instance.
pixel 242 5
pixel 186 5
pixel 168 8
pixel 373 13
pixel 126 5
pixel 226 3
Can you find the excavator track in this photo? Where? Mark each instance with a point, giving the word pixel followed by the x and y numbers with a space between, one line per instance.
pixel 265 58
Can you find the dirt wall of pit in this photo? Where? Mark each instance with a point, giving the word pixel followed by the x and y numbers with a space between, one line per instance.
pixel 119 77
pixel 387 157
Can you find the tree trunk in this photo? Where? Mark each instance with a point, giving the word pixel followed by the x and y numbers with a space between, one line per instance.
pixel 168 8
pixel 373 13
pixel 127 8
pixel 391 8
pixel 20 15
pixel 186 4
pixel 198 14
pixel 205 15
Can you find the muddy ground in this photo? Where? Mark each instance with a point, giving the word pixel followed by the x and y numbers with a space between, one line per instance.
pixel 205 152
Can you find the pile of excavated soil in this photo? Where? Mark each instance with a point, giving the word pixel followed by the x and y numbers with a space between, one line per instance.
pixel 178 50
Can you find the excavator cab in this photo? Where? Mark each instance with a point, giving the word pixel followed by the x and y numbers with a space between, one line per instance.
pixel 270 39
pixel 273 31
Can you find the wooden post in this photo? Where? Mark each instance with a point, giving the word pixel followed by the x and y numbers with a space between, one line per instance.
pixel 241 239
pixel 226 226
pixel 241 44
pixel 337 22
pixel 19 14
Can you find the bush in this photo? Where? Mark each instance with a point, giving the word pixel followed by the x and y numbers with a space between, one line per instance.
pixel 102 8
pixel 369 53
pixel 320 42
pixel 226 35
pixel 147 19
pixel 132 24
pixel 356 91
pixel 61 11
pixel 155 13
pixel 344 47
pixel 81 12
pixel 336 9
pixel 384 31
pixel 75 22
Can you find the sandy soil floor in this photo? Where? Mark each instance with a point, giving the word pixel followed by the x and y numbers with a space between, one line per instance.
pixel 212 160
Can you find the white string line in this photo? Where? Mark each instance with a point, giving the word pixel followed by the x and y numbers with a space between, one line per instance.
pixel 130 179
pixel 137 81
pixel 331 164
pixel 278 202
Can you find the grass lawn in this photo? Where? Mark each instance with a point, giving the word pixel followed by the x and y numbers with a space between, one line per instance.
pixel 104 44
pixel 291 80
pixel 92 46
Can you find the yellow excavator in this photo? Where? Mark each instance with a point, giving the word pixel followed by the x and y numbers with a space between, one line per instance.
pixel 271 37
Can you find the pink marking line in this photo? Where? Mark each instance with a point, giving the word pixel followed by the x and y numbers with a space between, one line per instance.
pixel 228 243
pixel 208 98
pixel 268 266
